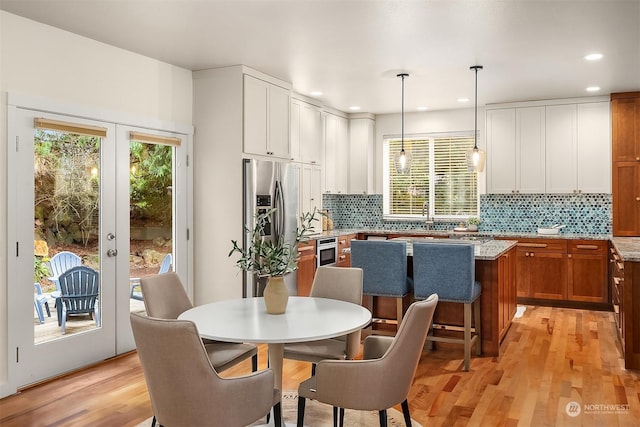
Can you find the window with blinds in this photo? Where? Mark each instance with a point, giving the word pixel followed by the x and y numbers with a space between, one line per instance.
pixel 439 179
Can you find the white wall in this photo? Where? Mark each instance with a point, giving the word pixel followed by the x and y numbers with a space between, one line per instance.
pixel 40 61
pixel 426 122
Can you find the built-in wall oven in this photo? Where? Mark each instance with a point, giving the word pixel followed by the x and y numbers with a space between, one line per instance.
pixel 327 252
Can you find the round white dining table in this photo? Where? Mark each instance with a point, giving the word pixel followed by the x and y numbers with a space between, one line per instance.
pixel 306 319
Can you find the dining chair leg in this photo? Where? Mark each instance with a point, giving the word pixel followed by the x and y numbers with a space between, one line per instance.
pixel 313 369
pixel 277 414
pixel 254 363
pixel 406 413
pixel 153 421
pixel 383 418
pixel 335 416
pixel 341 417
pixel 301 402
pixel 467 336
pixel 476 309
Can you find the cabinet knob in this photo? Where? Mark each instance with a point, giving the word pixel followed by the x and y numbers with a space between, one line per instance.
pixel 533 253
pixel 638 159
pixel 569 256
pixel 637 199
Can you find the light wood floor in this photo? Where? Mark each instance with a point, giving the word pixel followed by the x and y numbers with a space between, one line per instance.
pixel 550 357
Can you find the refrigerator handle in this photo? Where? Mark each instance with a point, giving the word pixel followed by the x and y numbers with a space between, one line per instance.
pixel 280 214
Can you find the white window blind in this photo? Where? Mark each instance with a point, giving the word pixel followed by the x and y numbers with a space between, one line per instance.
pixel 439 176
pixel 455 190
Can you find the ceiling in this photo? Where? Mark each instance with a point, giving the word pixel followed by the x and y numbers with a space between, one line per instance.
pixel 352 50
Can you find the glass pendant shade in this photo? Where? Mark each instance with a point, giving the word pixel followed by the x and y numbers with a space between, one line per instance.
pixel 476 159
pixel 402 161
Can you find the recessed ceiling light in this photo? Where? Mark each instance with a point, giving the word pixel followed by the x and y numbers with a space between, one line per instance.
pixel 354 107
pixel 463 99
pixel 422 108
pixel 315 93
pixel 593 56
pixel 593 88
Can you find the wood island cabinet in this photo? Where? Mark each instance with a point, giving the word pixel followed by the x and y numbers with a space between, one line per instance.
pixel 625 115
pixel 306 266
pixel 626 303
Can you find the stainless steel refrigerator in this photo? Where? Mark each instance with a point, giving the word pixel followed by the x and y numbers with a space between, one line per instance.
pixel 270 184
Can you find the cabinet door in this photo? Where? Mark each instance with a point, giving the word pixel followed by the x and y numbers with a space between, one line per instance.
pixel 626 128
pixel 501 150
pixel 626 199
pixel 594 148
pixel 256 104
pixel 560 141
pixel 548 275
pixel 295 133
pixel 306 267
pixel 530 149
pixel 361 146
pixel 316 188
pixel 522 275
pixel 310 192
pixel 342 156
pixel 311 136
pixel 278 130
pixel 588 273
pixel 330 152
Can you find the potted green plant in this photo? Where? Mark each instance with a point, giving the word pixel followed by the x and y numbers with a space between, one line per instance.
pixel 472 223
pixel 272 258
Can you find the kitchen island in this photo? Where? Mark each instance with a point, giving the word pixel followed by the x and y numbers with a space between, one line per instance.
pixel 495 270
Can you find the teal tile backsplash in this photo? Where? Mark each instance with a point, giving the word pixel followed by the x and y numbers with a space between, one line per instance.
pixel 518 213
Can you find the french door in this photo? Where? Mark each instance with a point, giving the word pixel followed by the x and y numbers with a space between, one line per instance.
pixel 69 192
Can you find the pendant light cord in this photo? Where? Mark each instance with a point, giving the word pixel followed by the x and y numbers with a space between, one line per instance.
pixel 402 75
pixel 475 124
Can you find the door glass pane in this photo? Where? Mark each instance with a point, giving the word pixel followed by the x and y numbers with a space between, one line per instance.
pixel 151 214
pixel 66 233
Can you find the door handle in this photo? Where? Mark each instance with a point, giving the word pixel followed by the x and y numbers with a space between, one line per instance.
pixel 112 252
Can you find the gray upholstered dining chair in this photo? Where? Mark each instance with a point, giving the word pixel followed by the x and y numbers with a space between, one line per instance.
pixel 165 298
pixel 448 269
pixel 382 379
pixel 385 272
pixel 340 283
pixel 184 387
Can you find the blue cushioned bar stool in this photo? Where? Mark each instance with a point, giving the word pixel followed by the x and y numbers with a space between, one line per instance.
pixel 449 271
pixel 384 266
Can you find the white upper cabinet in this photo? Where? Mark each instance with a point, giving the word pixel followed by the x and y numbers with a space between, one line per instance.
pixel 336 152
pixel 306 132
pixel 515 150
pixel 578 148
pixel 361 148
pixel 266 118
pixel 310 188
pixel 558 146
pixel 594 147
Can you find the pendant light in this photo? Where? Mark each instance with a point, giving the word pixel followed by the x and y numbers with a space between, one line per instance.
pixel 402 159
pixel 475 156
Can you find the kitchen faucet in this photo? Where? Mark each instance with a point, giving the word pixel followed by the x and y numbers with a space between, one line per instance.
pixel 425 213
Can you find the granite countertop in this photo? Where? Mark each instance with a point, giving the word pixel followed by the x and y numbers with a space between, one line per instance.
pixel 628 248
pixel 484 249
pixel 454 234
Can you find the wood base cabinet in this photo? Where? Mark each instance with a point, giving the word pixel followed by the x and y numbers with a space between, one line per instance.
pixel 344 246
pixel 306 267
pixel 562 271
pixel 541 268
pixel 587 271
